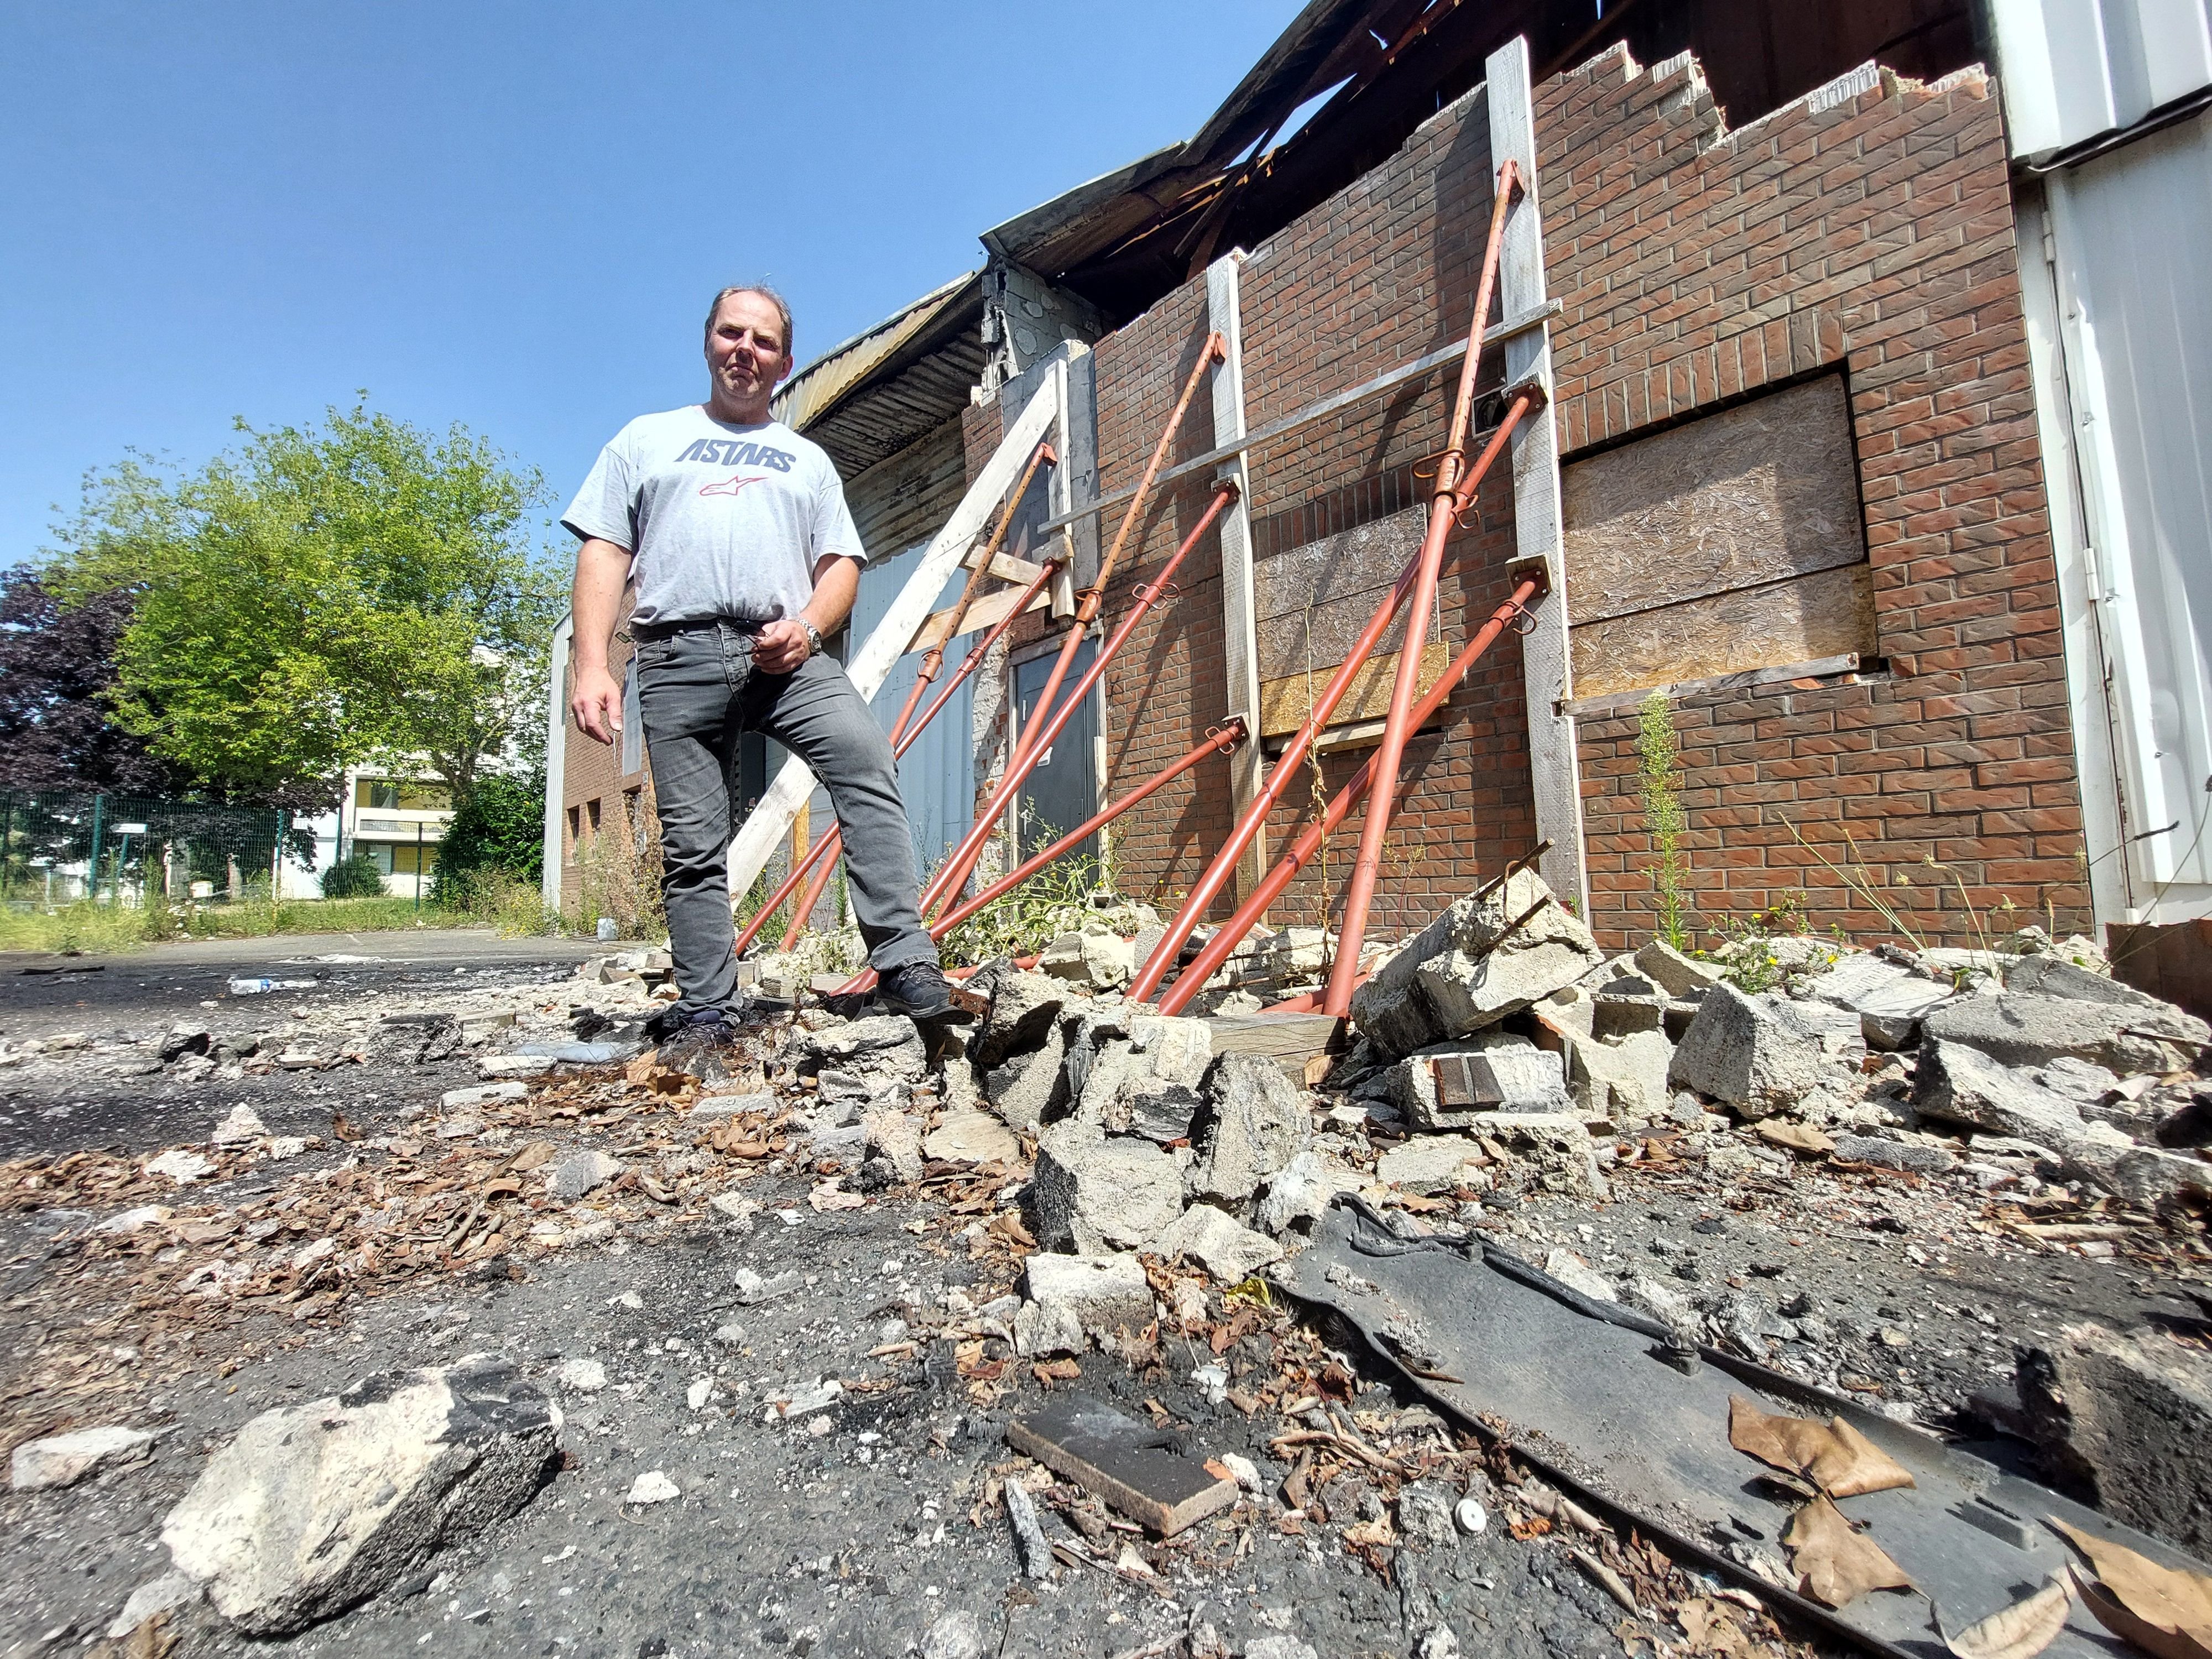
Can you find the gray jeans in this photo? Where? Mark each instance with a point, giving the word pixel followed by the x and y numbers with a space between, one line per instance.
pixel 698 690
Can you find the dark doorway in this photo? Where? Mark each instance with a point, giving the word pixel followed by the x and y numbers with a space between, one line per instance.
pixel 1063 791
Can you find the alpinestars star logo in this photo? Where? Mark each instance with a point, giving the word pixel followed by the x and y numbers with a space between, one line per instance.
pixel 730 486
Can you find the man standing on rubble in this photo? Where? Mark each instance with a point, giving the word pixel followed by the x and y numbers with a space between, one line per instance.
pixel 735 531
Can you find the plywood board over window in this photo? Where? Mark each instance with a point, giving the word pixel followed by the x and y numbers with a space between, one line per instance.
pixel 1732 541
pixel 1310 602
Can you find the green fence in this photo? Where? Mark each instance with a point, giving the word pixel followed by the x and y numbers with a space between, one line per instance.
pixel 59 846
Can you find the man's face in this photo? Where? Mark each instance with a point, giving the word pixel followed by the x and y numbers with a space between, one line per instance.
pixel 746 352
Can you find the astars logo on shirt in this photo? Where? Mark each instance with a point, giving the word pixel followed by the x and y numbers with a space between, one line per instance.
pixel 730 451
pixel 731 486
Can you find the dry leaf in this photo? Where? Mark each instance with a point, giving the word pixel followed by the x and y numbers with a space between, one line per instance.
pixel 1838 1565
pixel 1835 1456
pixel 2019 1631
pixel 2160 1610
pixel 1797 1137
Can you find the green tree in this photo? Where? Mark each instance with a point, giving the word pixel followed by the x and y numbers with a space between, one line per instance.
pixel 319 598
pixel 500 828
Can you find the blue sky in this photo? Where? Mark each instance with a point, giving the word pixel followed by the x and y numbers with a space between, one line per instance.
pixel 512 215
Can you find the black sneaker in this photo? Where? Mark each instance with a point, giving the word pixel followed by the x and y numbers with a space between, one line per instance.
pixel 698 1045
pixel 921 992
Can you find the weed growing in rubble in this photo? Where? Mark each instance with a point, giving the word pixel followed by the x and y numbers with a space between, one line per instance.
pixel 1055 901
pixel 1867 880
pixel 1658 752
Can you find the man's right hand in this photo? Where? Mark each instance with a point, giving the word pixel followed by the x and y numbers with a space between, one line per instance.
pixel 597 703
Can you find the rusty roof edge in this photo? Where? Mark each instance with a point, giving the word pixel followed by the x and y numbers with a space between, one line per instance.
pixel 842 372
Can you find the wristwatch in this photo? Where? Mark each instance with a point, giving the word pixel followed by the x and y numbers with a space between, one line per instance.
pixel 813 637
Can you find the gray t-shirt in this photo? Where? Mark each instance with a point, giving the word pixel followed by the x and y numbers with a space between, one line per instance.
pixel 721 521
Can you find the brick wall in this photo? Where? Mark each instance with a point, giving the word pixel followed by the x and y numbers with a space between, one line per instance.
pixel 592 772
pixel 1695 266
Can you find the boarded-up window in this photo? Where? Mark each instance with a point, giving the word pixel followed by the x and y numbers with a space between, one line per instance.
pixel 1313 600
pixel 1731 543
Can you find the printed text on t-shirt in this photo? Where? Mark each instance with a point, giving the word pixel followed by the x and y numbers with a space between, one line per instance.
pixel 731 452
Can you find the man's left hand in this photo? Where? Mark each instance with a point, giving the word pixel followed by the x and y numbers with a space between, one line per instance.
pixel 780 646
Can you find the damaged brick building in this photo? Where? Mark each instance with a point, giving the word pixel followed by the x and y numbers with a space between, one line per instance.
pixel 1789 479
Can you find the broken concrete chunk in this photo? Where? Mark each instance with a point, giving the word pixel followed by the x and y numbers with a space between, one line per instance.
pixel 2148 1176
pixel 1673 972
pixel 1912 1157
pixel 313 1509
pixel 1148 1475
pixel 1576 1274
pixel 2128 1418
pixel 1114 1057
pixel 492 1067
pixel 972 1137
pixel 1231 1252
pixel 186 1037
pixel 1254 1122
pixel 241 1128
pixel 1889 1001
pixel 713 1108
pixel 1075 1297
pixel 580 1173
pixel 1428 1163
pixel 182 1166
pixel 414 1039
pixel 1763 1054
pixel 1299 1192
pixel 881 1047
pixel 1021 1089
pixel 1026 1011
pixel 1625 1080
pixel 1094 955
pixel 482 1094
pixel 1465 970
pixel 1094 1193
pixel 63 1460
pixel 2024 1029
pixel 1445 1085
pixel 1557 1144
pixel 2046 975
pixel 170 1591
pixel 896 1136
pixel 1956 1083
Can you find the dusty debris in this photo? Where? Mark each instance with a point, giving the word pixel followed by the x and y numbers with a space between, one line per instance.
pixel 311 1508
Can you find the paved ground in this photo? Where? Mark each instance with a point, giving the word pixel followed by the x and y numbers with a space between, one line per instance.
pixel 854 1527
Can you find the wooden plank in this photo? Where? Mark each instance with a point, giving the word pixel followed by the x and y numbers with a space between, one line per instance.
pixel 1162 1487
pixel 1555 770
pixel 1284 703
pixel 1290 1040
pixel 1240 646
pixel 984 614
pixel 1766 490
pixel 1583 709
pixel 756 840
pixel 1828 613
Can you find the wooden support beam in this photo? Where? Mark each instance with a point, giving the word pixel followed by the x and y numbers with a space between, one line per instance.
pixel 1537 528
pixel 1239 611
pixel 983 615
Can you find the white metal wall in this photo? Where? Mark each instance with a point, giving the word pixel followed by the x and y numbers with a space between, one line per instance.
pixel 2127 251
pixel 2074 69
pixel 937 777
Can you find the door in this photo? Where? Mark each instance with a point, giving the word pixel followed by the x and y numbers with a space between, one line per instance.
pixel 1063 789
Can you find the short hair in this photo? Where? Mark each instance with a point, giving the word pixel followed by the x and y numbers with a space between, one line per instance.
pixel 783 310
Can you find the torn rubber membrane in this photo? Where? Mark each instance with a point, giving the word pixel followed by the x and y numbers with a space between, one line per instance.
pixel 1614 1407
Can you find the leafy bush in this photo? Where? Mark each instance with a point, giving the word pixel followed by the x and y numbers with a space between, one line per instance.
pixel 499 828
pixel 355 877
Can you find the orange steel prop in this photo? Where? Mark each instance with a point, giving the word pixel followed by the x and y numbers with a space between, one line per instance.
pixel 973 661
pixel 1444 509
pixel 1218 949
pixel 933 661
pixel 1148 594
pixel 1218 741
pixel 953 873
pixel 1286 766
